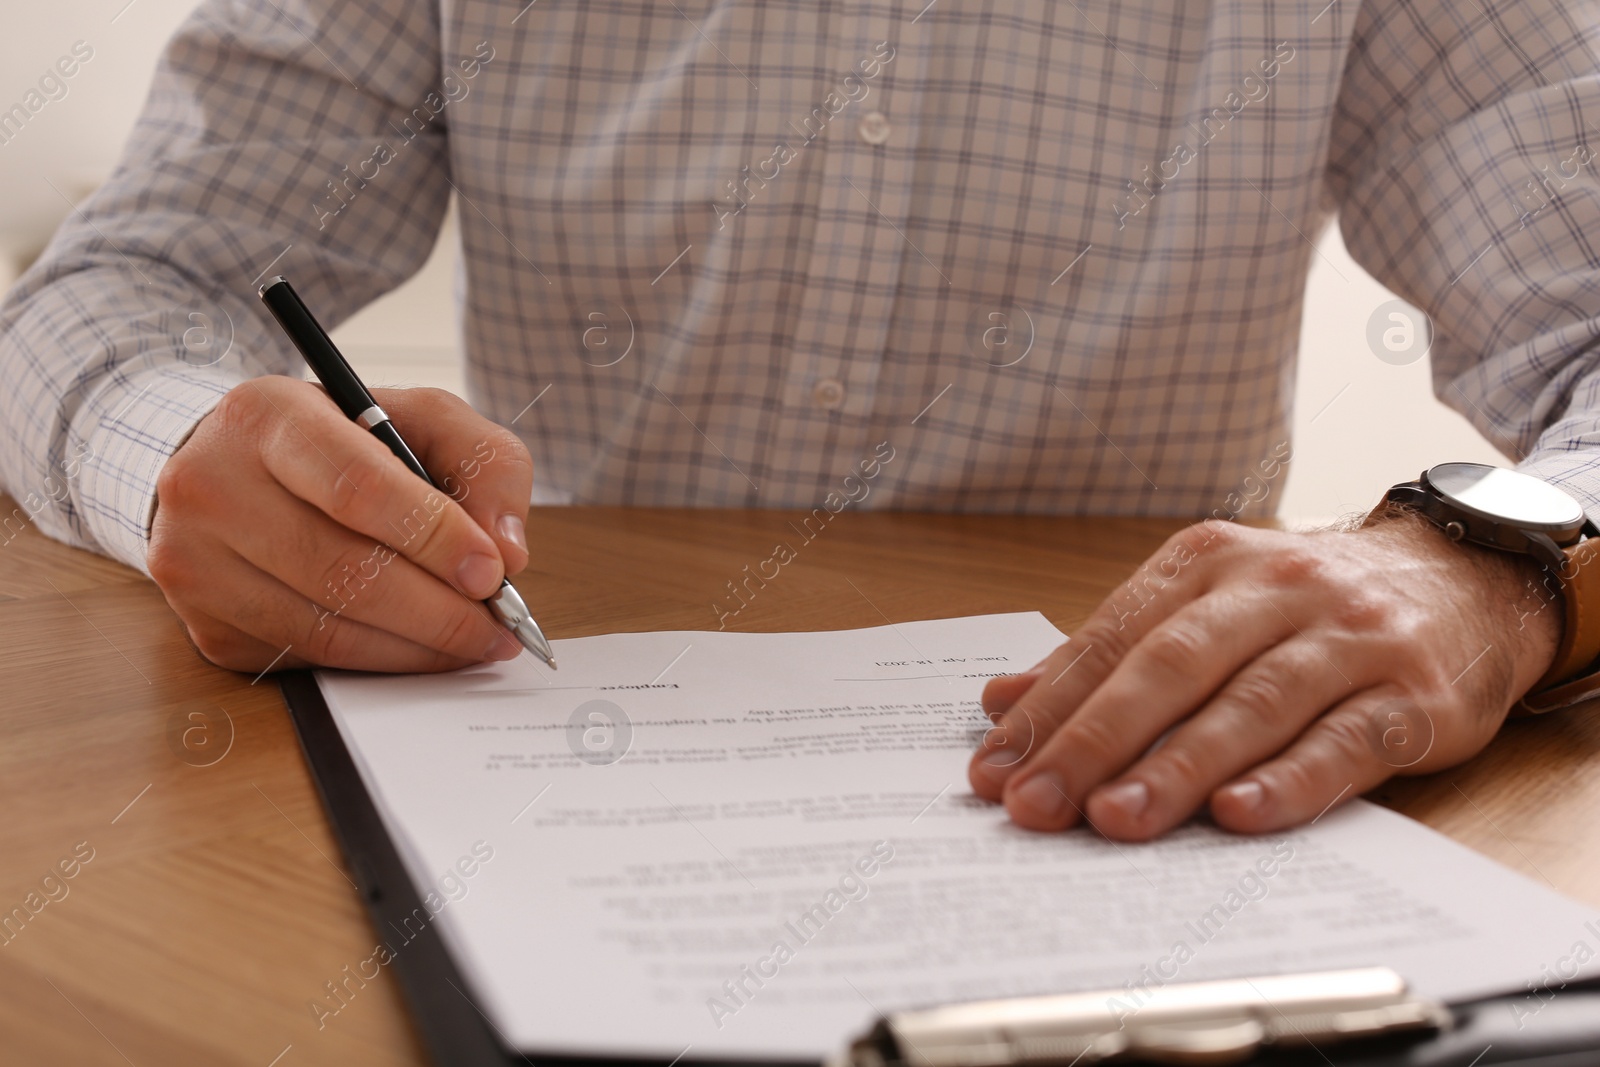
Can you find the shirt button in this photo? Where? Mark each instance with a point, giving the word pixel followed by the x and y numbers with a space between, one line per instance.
pixel 828 393
pixel 873 127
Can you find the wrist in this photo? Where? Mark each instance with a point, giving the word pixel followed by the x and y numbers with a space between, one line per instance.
pixel 1517 598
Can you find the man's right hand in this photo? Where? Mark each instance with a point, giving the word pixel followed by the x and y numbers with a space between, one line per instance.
pixel 286 535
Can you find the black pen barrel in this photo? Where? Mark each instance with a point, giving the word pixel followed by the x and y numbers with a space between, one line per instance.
pixel 324 358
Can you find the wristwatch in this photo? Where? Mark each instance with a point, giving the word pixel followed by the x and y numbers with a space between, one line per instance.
pixel 1515 512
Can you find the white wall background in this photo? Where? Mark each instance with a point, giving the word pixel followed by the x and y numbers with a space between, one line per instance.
pixel 1361 423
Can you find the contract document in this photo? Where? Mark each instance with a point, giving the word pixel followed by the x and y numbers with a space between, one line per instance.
pixel 718 844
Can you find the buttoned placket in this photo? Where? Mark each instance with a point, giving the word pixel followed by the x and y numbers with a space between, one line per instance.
pixel 864 195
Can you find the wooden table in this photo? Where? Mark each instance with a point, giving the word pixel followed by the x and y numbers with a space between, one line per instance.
pixel 215 905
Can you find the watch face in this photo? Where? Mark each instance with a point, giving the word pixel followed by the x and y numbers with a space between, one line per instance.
pixel 1506 496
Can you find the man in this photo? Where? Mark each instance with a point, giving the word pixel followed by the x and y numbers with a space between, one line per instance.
pixel 1052 254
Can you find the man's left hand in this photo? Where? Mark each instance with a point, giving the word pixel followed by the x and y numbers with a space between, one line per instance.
pixel 1293 670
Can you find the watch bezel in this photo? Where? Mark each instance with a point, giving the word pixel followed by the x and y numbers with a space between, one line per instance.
pixel 1562 533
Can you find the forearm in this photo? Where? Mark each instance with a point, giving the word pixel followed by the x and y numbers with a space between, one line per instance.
pixel 141 313
pixel 106 374
pixel 1461 163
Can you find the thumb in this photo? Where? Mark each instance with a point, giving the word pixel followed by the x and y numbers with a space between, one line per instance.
pixel 479 464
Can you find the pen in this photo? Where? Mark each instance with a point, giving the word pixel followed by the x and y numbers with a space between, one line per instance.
pixel 346 389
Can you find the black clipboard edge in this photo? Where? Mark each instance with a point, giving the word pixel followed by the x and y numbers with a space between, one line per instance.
pixel 453 1028
pixel 447 1022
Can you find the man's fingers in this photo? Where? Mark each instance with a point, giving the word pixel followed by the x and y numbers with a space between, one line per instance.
pixel 1334 760
pixel 347 474
pixel 361 580
pixel 1261 709
pixel 1171 578
pixel 1002 692
pixel 273 615
pixel 480 465
pixel 1053 691
pixel 230 647
pixel 1164 677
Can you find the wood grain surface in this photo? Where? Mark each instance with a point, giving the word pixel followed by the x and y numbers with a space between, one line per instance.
pixel 215 905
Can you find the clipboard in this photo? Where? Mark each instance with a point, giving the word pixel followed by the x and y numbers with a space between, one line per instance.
pixel 1368 1022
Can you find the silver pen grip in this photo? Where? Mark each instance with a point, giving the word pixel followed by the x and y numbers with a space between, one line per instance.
pixel 512 610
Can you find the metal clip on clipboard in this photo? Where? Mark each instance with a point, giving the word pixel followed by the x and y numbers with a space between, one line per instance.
pixel 1189 1023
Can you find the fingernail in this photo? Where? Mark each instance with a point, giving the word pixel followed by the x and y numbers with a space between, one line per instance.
pixel 1131 798
pixel 1040 797
pixel 513 531
pixel 1248 795
pixel 503 648
pixel 997 764
pixel 478 574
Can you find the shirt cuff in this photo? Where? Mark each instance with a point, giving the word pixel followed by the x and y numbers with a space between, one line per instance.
pixel 127 434
pixel 1578 472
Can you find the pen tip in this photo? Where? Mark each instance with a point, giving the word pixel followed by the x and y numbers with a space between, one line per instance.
pixel 552 661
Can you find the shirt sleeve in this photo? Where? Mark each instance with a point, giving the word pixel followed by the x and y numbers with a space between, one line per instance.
pixel 1463 159
pixel 297 137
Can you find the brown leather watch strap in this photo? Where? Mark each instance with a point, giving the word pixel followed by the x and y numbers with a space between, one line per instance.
pixel 1572 677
